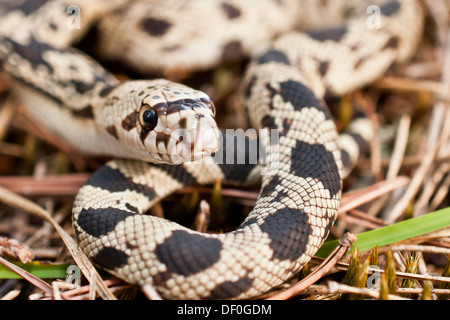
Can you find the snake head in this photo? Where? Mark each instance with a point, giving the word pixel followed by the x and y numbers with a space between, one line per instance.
pixel 172 123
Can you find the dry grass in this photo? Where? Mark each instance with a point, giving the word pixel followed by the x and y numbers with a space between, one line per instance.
pixel 406 174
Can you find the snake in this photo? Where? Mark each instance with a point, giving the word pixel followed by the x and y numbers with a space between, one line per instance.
pixel 164 137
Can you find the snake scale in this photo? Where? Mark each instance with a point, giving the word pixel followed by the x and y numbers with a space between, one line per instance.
pixel 154 127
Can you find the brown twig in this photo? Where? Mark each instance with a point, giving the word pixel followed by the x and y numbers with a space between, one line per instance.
pixel 82 293
pixel 336 287
pixel 401 84
pixel 15 250
pixel 399 274
pixel 55 186
pixel 6 114
pixel 68 185
pixel 333 289
pixel 361 218
pixel 86 266
pixel 375 144
pixel 413 187
pixel 150 292
pixel 44 286
pixel 357 198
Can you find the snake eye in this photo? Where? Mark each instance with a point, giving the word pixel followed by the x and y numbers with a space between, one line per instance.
pixel 148 119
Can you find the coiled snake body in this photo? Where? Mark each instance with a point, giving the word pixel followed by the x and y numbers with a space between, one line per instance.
pixel 161 122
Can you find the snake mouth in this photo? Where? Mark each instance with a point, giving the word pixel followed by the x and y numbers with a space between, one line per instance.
pixel 197 143
pixel 193 141
pixel 177 126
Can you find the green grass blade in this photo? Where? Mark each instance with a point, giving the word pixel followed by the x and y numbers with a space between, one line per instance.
pixel 42 271
pixel 393 233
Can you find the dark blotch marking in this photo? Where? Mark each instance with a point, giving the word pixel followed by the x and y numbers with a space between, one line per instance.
pixel 187 254
pixel 359 63
pixel 360 141
pixel 286 126
pixel 160 278
pixel 274 56
pixel 249 86
pixel 313 160
pixel 143 135
pixel 105 91
pixel 131 246
pixel 83 87
pixel 345 158
pixel 112 131
pixel 392 43
pixel 233 158
pixel 354 47
pixel 131 208
pixel 182 123
pixel 323 68
pixel 287 229
pixel 297 94
pixel 268 122
pixel 111 101
pixel 172 48
pixel 231 289
pixel 27 7
pixel 33 52
pixel 333 34
pixel 53 26
pixel 114 181
pixel 86 112
pixel 98 222
pixel 178 173
pixel 231 11
pixel 162 138
pixel 130 121
pixel 232 51
pixel 155 27
pixel 205 99
pixel 161 108
pixel 164 108
pixel 174 107
pixel 110 258
pixel 390 8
